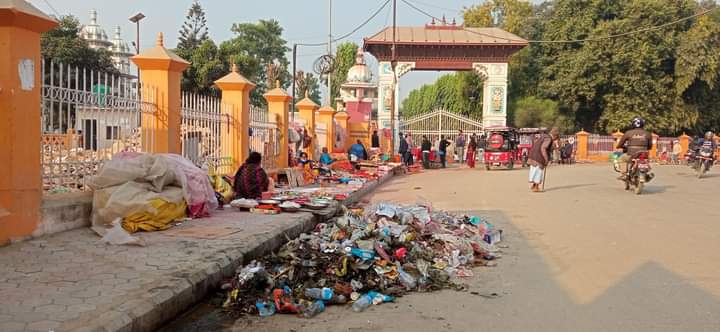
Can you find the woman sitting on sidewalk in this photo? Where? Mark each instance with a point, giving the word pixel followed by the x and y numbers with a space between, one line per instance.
pixel 251 180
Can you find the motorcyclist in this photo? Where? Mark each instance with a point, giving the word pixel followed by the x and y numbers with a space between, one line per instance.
pixel 707 141
pixel 634 141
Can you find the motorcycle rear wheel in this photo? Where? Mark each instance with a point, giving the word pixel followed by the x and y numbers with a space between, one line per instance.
pixel 701 170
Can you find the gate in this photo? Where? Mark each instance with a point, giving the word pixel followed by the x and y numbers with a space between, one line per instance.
pixel 86 117
pixel 439 122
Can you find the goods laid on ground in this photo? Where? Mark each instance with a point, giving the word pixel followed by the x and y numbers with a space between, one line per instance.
pixel 365 257
pixel 147 192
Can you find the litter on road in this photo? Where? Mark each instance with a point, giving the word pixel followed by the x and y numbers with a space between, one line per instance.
pixel 365 257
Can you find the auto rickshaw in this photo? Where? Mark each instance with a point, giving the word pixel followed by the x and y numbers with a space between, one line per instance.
pixel 502 147
pixel 526 138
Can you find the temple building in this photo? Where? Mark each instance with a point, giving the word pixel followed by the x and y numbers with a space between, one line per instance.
pixel 97 39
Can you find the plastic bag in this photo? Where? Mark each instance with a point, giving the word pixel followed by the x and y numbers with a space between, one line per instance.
pixel 118 236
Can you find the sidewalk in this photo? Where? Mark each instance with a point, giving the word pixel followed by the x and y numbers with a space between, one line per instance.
pixel 70 282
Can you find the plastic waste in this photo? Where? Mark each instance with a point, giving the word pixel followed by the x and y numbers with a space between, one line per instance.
pixel 119 236
pixel 378 297
pixel 406 279
pixel 319 293
pixel 313 309
pixel 362 254
pixel 338 299
pixel 265 308
pixel 362 303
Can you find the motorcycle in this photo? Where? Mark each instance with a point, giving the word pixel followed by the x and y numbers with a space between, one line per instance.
pixel 703 160
pixel 638 172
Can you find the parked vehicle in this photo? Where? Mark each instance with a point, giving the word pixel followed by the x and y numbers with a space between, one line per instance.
pixel 502 147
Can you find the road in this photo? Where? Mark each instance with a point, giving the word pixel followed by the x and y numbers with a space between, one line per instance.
pixel 583 256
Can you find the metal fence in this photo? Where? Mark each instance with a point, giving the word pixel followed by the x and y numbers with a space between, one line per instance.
pixel 600 145
pixel 265 137
pixel 86 117
pixel 203 119
pixel 439 123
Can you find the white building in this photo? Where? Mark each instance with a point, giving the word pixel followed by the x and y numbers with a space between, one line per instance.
pixel 97 39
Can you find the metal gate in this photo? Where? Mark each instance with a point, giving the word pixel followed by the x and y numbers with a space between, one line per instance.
pixel 440 123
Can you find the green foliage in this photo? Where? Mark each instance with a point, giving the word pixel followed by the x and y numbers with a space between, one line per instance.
pixel 63 45
pixel 254 47
pixel 206 67
pixel 457 93
pixel 307 82
pixel 533 112
pixel 344 59
pixel 194 31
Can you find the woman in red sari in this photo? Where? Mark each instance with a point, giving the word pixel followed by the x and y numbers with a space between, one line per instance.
pixel 471 148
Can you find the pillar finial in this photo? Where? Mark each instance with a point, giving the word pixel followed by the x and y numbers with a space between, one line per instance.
pixel 277 84
pixel 234 68
pixel 160 40
pixel 306 93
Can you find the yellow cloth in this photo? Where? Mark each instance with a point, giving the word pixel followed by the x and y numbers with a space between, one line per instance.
pixel 156 219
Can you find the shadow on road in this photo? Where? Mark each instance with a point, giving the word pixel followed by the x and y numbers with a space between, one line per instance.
pixel 651 189
pixel 570 186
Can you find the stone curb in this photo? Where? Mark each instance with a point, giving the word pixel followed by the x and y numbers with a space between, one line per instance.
pixel 165 302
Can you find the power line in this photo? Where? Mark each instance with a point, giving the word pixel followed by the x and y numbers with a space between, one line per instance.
pixel 52 8
pixel 439 7
pixel 571 41
pixel 375 14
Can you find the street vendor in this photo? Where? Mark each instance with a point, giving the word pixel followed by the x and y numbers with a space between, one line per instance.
pixel 251 180
pixel 356 153
pixel 325 159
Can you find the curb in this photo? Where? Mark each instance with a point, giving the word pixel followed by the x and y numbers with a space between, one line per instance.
pixel 186 288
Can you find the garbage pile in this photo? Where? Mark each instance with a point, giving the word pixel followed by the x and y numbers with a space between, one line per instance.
pixel 365 257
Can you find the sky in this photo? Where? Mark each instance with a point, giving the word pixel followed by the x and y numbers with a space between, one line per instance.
pixel 304 21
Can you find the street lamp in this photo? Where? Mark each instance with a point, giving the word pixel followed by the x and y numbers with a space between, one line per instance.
pixel 136 19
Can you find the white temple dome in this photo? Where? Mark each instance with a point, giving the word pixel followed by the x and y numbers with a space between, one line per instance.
pixel 359 72
pixel 119 46
pixel 94 33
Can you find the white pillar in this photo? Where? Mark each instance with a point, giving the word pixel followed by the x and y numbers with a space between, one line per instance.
pixel 494 93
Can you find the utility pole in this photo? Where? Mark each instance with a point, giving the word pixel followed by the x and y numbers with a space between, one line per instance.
pixel 329 51
pixel 393 63
pixel 294 74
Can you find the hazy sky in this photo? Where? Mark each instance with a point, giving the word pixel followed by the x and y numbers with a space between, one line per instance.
pixel 303 20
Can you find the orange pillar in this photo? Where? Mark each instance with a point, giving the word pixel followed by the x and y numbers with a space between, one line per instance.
pixel 236 94
pixel 278 103
pixel 582 145
pixel 326 116
pixel 306 109
pixel 653 150
pixel 342 119
pixel 20 82
pixel 161 69
pixel 684 144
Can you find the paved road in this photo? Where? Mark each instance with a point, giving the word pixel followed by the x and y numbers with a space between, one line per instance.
pixel 584 256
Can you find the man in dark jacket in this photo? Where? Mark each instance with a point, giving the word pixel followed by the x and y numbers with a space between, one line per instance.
pixel 402 149
pixel 375 141
pixel 634 141
pixel 425 147
pixel 539 158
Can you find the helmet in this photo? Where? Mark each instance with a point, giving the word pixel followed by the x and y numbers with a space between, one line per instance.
pixel 709 135
pixel 637 122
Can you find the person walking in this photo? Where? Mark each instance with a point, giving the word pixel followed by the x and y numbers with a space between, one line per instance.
pixel 425 147
pixel 409 154
pixel 443 150
pixel 460 146
pixel 472 146
pixel 539 158
pixel 402 149
pixel 375 140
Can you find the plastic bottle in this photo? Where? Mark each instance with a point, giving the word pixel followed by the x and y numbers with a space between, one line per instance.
pixel 362 303
pixel 338 299
pixel 362 254
pixel 314 309
pixel 406 279
pixel 378 298
pixel 264 308
pixel 319 293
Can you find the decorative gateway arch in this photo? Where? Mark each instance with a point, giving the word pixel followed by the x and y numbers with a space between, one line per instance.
pixel 445 47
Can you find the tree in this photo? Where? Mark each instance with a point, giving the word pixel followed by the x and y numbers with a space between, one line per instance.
pixel 533 112
pixel 344 60
pixel 63 45
pixel 206 66
pixel 254 47
pixel 194 31
pixel 457 93
pixel 307 82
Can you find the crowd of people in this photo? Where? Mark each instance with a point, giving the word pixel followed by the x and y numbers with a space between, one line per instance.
pixel 435 151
